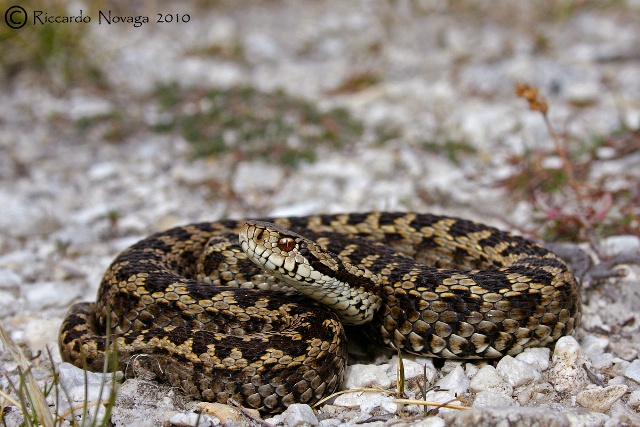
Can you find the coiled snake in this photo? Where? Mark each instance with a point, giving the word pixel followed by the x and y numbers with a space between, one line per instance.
pixel 192 305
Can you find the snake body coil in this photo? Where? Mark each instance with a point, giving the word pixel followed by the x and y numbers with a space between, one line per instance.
pixel 195 306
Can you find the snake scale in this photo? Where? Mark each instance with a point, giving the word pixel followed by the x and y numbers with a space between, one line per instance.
pixel 217 315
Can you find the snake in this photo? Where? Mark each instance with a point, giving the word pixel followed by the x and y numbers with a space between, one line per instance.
pixel 256 310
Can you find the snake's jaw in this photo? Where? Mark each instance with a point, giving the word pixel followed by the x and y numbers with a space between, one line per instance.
pixel 307 267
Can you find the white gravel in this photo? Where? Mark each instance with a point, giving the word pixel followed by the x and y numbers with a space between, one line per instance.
pixel 446 73
pixel 487 379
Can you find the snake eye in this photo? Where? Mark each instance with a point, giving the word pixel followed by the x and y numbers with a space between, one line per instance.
pixel 286 244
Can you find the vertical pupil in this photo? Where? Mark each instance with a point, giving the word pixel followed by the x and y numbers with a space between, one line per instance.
pixel 286 244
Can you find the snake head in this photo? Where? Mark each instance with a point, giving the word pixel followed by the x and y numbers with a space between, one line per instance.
pixel 279 251
pixel 305 265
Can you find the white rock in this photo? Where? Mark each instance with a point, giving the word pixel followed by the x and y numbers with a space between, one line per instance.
pixel 49 294
pixel 442 177
pixel 298 415
pixel 552 162
pixel 487 122
pixel 198 172
pixel 66 269
pixel 257 176
pixel 22 217
pixel 410 162
pixel 455 381
pixel 361 376
pixel 260 47
pixel 102 171
pixel 450 365
pixel 583 93
pixel 621 415
pixel 633 371
pixel 594 321
pixel 567 372
pixel 330 422
pixel 488 379
pixel 538 357
pixel 442 397
pixel 625 244
pixel 453 385
pixel 298 209
pixel 337 167
pixel 594 348
pixel 71 376
pixel 429 422
pixel 91 213
pixel 606 153
pixel 98 387
pixel 413 368
pixel 584 418
pixel 516 372
pixel 222 31
pixel 537 391
pixel 9 279
pixel 133 224
pixel 620 364
pixel 634 400
pixel 77 235
pixel 492 398
pixel 356 399
pixel 600 399
pixel 192 420
pixel 380 403
pixel 617 380
pixel 81 106
pixel 471 369
pixel 275 420
pixel 37 334
pixel 8 303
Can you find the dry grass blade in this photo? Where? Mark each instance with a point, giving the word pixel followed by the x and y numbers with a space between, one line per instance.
pixel 248 414
pixel 399 401
pixel 400 375
pixel 427 403
pixel 83 406
pixel 355 390
pixel 36 396
pixel 9 399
